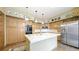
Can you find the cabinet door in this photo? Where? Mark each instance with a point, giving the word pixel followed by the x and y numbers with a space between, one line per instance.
pixel 11 30
pixel 1 31
pixel 21 30
pixel 11 35
pixel 11 22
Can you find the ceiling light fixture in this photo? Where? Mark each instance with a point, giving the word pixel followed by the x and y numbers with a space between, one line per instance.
pixel 27 7
pixel 15 13
pixel 26 17
pixel 35 16
pixel 42 18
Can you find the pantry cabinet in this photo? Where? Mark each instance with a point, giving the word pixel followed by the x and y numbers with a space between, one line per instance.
pixel 21 30
pixel 1 30
pixel 15 30
pixel 11 30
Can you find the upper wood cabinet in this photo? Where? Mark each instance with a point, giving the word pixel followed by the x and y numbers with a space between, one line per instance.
pixel 55 26
pixel 11 21
pixel 36 26
pixel 1 30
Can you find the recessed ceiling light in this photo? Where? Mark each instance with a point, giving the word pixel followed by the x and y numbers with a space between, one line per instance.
pixel 15 13
pixel 42 13
pixel 27 7
pixel 36 11
pixel 42 22
pixel 36 21
pixel 8 11
pixel 26 18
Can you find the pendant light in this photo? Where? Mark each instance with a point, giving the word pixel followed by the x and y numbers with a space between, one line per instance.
pixel 42 18
pixel 35 16
pixel 26 18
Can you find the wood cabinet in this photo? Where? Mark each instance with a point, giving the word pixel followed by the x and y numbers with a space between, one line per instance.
pixel 55 26
pixel 21 30
pixel 1 30
pixel 36 26
pixel 11 30
pixel 15 30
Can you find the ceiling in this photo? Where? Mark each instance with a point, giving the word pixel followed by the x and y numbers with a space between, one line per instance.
pixel 49 12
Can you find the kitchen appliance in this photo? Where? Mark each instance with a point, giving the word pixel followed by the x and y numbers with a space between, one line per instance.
pixel 70 34
pixel 28 29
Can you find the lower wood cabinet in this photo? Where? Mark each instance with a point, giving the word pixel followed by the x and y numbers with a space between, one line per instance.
pixel 11 36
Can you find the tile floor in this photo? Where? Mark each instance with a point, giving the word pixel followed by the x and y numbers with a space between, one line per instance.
pixel 62 47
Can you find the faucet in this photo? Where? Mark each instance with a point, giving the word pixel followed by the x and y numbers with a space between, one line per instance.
pixel 40 30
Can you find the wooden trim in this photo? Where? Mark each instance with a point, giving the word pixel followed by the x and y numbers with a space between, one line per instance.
pixel 15 17
pixel 77 17
pixel 17 44
pixel 14 43
pixel 4 30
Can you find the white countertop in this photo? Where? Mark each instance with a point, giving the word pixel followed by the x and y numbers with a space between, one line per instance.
pixel 40 36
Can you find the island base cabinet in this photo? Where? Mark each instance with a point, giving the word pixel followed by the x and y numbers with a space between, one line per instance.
pixel 44 45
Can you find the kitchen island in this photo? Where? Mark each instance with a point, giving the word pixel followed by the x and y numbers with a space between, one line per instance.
pixel 42 41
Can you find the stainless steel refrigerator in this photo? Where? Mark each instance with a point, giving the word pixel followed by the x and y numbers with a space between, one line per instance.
pixel 70 34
